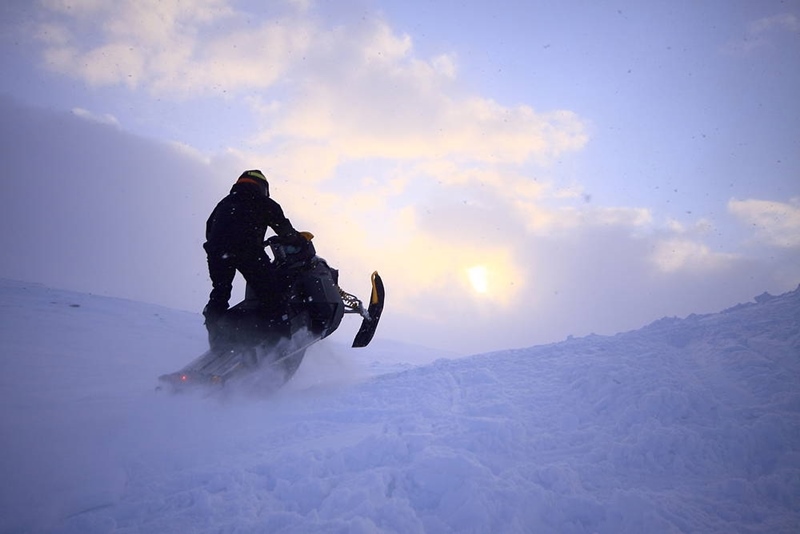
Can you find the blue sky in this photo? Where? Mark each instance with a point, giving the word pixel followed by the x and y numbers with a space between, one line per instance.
pixel 517 171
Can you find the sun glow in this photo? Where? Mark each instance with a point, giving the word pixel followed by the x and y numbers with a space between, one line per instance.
pixel 479 278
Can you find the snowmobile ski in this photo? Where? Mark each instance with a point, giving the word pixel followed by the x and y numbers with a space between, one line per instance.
pixel 373 313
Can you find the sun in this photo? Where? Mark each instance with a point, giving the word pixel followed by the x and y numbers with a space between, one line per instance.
pixel 479 278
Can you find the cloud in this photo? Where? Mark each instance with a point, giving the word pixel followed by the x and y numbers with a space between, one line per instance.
pixel 675 254
pixel 384 155
pixel 763 32
pixel 105 118
pixel 554 221
pixel 782 22
pixel 169 48
pixel 356 90
pixel 775 223
pixel 364 94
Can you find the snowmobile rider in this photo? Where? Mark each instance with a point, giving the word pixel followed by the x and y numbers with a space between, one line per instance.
pixel 235 241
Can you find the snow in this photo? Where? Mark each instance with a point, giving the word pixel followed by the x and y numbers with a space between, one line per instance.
pixel 686 425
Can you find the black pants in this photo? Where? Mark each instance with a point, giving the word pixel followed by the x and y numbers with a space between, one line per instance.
pixel 256 268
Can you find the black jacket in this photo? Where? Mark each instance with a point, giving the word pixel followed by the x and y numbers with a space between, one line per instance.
pixel 239 222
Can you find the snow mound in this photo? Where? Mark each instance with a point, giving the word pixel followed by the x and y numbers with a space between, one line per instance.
pixel 686 425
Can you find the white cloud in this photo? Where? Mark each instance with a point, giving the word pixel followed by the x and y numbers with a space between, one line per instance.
pixel 384 46
pixel 782 22
pixel 762 32
pixel 190 152
pixel 405 120
pixel 170 48
pixel 80 8
pixel 700 227
pixel 111 64
pixel 677 254
pixel 105 118
pixel 148 20
pixel 774 223
pixel 445 65
pixel 359 90
pixel 544 220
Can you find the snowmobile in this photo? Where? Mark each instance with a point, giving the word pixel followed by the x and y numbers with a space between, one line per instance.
pixel 252 336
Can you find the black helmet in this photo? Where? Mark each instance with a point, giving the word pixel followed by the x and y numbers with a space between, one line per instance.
pixel 257 177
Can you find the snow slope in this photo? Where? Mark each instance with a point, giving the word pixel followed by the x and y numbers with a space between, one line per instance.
pixel 686 425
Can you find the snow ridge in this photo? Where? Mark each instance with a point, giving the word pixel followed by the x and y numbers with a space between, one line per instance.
pixel 686 425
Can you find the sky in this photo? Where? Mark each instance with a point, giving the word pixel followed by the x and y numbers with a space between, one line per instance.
pixel 518 172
